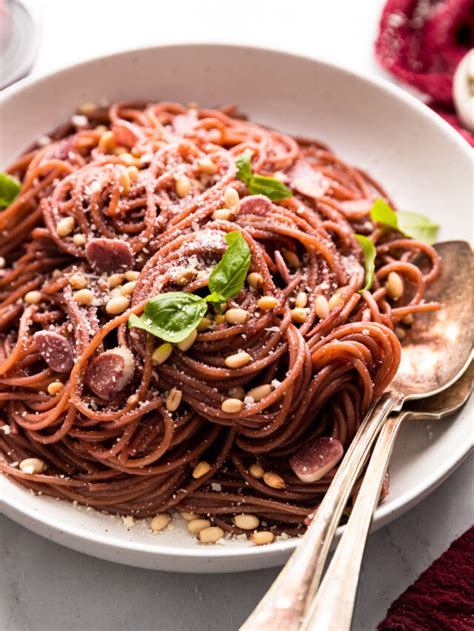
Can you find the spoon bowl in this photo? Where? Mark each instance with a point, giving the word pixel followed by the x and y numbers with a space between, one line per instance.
pixel 439 343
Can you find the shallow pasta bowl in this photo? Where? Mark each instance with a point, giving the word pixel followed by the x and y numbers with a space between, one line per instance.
pixel 421 161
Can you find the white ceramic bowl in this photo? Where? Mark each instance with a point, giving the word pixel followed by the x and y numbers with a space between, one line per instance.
pixel 417 156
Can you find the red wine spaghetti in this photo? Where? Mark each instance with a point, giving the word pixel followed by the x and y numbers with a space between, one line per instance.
pixel 131 202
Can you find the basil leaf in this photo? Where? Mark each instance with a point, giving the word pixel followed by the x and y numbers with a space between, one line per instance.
pixel 171 316
pixel 260 184
pixel 228 277
pixel 381 212
pixel 408 223
pixel 9 189
pixel 370 252
pixel 244 166
pixel 269 186
pixel 417 226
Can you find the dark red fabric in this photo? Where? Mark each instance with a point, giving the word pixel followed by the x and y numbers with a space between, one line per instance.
pixel 442 599
pixel 422 42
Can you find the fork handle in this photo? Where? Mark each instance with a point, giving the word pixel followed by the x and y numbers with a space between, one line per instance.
pixel 283 606
pixel 333 605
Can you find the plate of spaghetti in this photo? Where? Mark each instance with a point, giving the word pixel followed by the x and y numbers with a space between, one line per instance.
pixel 199 301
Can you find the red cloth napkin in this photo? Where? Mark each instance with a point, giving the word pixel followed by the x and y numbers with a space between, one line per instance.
pixel 422 42
pixel 442 599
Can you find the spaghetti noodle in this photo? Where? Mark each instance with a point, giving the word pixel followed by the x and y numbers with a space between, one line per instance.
pixel 129 202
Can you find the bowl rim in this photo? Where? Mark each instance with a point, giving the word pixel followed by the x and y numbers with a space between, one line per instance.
pixel 382 514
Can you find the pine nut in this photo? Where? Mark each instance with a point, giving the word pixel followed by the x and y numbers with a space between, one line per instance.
pixel 237 393
pixel 219 318
pixel 114 280
pixel 231 199
pixel 132 275
pixel 79 239
pixel 232 406
pixel 78 281
pixel 128 160
pixel 267 302
pixel 299 315
pixel 173 399
pixel 117 305
pixel 408 319
pixel 55 387
pixel 188 341
pixel 211 535
pixel 236 316
pixel 160 521
pixel 335 301
pixel 2 262
pixel 322 307
pixel 262 537
pixel 400 333
pixel 255 280
pixel 107 142
pixel 256 470
pixel 182 186
pixel 291 258
pixel 87 108
pixel 32 297
pixel 84 297
pixel 223 213
pixel 206 165
pixel 274 480
pixel 79 121
pixel 260 392
pixel 65 226
pixel 204 324
pixel 128 288
pixel 246 522
pixel 32 465
pixel 189 516
pixel 301 299
pixel 201 469
pixel 196 525
pixel 162 353
pixel 394 286
pixel 125 182
pixel 237 360
pixel 133 172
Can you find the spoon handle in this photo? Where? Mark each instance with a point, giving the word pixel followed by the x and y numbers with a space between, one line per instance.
pixel 284 604
pixel 333 605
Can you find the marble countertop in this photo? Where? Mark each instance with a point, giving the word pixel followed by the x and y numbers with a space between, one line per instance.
pixel 44 587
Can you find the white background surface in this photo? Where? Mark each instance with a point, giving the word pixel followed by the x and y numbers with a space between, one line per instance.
pixel 46 587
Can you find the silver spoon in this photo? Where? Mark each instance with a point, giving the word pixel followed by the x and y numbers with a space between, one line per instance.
pixel 436 352
pixel 333 605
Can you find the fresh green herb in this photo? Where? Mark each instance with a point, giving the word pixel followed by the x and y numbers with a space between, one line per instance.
pixel 418 227
pixel 244 167
pixel 260 184
pixel 228 277
pixel 410 224
pixel 9 189
pixel 173 315
pixel 370 252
